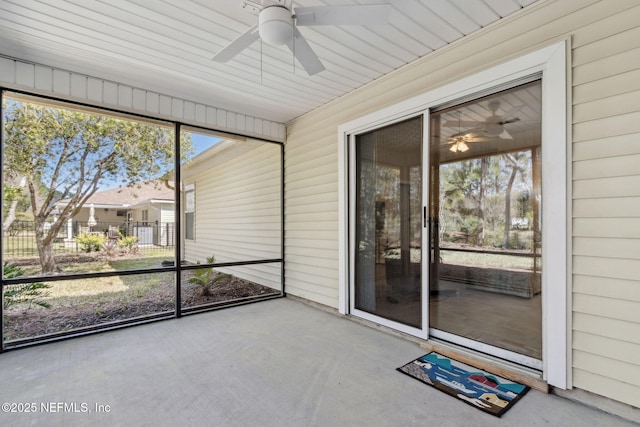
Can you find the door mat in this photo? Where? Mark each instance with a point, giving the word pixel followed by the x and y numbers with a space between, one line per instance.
pixel 490 393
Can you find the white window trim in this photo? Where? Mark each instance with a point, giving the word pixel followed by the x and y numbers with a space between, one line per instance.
pixel 551 61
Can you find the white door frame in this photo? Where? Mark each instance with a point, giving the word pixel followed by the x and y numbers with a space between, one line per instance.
pixel 552 62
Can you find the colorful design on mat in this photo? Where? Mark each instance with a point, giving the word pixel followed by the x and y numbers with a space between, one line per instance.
pixel 485 391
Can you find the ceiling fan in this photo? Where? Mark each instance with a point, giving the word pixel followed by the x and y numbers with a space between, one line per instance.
pixel 492 127
pixel 460 140
pixel 278 23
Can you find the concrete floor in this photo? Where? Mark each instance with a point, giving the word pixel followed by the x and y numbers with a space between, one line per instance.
pixel 274 363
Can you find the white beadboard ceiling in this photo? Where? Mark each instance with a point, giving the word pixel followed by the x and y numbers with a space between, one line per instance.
pixel 167 45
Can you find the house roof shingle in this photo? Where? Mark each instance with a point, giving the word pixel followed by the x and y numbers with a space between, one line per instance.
pixel 133 195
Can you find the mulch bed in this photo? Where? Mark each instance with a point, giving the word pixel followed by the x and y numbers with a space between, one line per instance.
pixel 22 322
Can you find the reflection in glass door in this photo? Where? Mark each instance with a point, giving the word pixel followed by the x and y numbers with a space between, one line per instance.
pixel 388 222
pixel 485 209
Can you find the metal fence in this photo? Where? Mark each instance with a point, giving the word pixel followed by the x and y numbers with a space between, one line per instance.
pixel 20 239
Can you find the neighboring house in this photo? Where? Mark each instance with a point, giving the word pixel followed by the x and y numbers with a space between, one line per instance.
pixel 146 210
pixel 586 56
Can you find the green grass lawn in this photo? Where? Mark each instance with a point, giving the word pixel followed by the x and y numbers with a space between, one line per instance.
pixel 115 263
pixel 486 260
pixel 125 286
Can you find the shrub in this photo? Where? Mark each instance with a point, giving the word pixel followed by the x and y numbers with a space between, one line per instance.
pixel 25 293
pixel 204 278
pixel 128 243
pixel 109 247
pixel 90 242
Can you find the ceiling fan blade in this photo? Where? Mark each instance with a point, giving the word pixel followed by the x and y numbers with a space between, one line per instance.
pixel 241 42
pixel 505 135
pixel 364 14
pixel 304 54
pixel 461 123
pixel 513 120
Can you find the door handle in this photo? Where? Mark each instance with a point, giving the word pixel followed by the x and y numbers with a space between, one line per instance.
pixel 424 217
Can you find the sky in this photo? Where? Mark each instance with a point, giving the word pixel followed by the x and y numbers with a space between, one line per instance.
pixel 199 142
pixel 202 142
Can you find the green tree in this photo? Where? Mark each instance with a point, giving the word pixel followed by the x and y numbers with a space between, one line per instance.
pixel 461 186
pixel 68 154
pixel 519 163
pixel 13 196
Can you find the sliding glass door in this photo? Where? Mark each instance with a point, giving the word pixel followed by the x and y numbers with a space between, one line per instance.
pixel 485 208
pixel 480 199
pixel 484 159
pixel 387 223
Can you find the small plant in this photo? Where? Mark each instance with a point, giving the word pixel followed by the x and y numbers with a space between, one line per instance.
pixel 204 277
pixel 90 242
pixel 109 247
pixel 25 293
pixel 129 244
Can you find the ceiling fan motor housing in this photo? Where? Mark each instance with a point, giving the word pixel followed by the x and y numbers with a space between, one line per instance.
pixel 275 25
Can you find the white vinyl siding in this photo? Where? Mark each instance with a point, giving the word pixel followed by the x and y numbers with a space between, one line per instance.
pixel 605 114
pixel 606 206
pixel 311 249
pixel 19 75
pixel 238 212
pixel 167 213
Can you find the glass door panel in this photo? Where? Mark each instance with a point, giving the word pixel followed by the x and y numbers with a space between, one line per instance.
pixel 388 222
pixel 485 205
